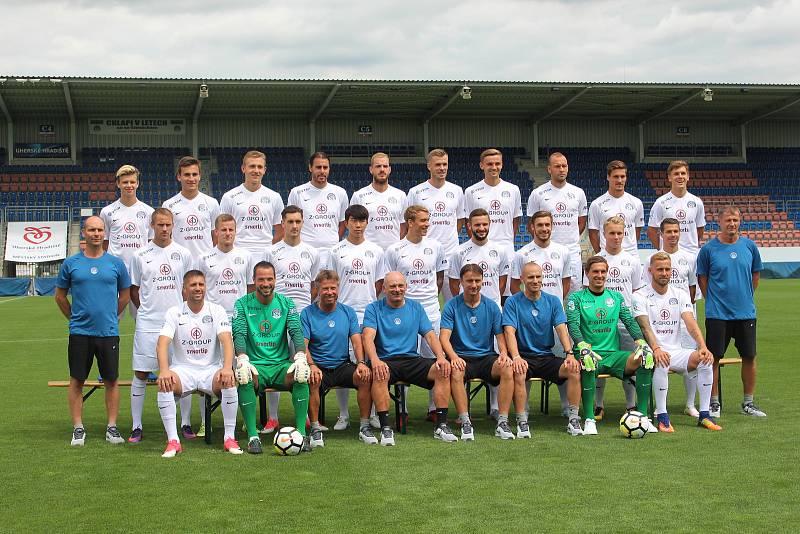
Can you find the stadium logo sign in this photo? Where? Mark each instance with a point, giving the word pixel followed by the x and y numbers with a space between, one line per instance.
pixel 37 234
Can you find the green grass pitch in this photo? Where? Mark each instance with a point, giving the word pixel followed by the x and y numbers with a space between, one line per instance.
pixel 744 478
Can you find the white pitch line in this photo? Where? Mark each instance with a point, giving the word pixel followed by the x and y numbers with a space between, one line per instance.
pixel 15 298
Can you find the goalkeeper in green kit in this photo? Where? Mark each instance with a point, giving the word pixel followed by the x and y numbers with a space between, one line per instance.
pixel 261 321
pixel 592 317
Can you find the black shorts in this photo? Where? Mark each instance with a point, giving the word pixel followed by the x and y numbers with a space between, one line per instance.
pixel 720 332
pixel 82 349
pixel 412 370
pixel 481 367
pixel 546 367
pixel 341 376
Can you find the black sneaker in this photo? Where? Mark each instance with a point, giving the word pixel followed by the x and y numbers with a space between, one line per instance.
pixel 254 446
pixel 136 436
pixel 78 437
pixel 113 436
pixel 599 412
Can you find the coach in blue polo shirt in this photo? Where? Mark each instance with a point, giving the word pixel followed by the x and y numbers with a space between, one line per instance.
pixel 728 269
pixel 100 288
pixel 471 329
pixel 390 334
pixel 529 318
pixel 328 328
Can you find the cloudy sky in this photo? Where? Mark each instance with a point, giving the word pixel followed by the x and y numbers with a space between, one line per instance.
pixel 734 41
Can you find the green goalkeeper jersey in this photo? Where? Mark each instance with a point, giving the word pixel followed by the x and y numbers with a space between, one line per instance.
pixel 260 330
pixel 593 318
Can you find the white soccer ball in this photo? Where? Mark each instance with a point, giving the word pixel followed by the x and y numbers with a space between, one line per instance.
pixel 287 441
pixel 631 426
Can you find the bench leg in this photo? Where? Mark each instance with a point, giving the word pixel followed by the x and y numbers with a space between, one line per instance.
pixel 263 415
pixel 719 385
pixel 399 398
pixel 208 409
pixel 89 393
pixel 321 415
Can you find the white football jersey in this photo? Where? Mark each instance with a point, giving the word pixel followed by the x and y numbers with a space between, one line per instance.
pixel 684 270
pixel 158 272
pixel 385 214
pixel 554 260
pixel 295 269
pixel 194 220
pixel 323 210
pixel 491 257
pixel 127 229
pixel 664 312
pixel 446 205
pixel 359 267
pixel 420 264
pixel 624 274
pixel 227 275
pixel 194 336
pixel 688 210
pixel 256 212
pixel 566 204
pixel 628 207
pixel 503 202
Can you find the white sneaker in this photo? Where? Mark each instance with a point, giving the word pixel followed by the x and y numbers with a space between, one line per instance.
pixel 365 434
pixel 589 428
pixel 315 438
pixel 648 425
pixel 523 430
pixel 375 422
pixel 752 409
pixel 691 411
pixel 78 437
pixel 387 437
pixel 444 433
pixel 715 410
pixel 574 427
pixel 341 423
pixel 503 431
pixel 467 432
pixel 113 436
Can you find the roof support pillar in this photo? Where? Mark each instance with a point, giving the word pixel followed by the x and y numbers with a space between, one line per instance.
pixel 312 137
pixel 426 139
pixel 743 130
pixel 73 130
pixel 9 128
pixel 534 148
pixel 640 130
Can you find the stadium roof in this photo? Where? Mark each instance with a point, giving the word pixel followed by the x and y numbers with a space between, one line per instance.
pixel 403 99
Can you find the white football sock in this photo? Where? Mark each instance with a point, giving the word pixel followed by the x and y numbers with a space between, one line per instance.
pixel 230 405
pixel 705 377
pixel 562 394
pixel 343 398
pixel 629 387
pixel 166 407
pixel 274 400
pixel 690 383
pixel 431 404
pixel 186 410
pixel 493 397
pixel 660 387
pixel 599 393
pixel 138 388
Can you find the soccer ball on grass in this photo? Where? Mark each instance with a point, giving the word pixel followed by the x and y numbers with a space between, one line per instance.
pixel 287 441
pixel 631 425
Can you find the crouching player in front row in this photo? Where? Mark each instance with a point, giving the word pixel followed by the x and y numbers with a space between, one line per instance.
pixel 261 321
pixel 529 319
pixel 470 322
pixel 660 309
pixel 328 328
pixel 592 317
pixel 196 329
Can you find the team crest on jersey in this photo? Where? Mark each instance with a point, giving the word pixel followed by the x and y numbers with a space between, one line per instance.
pixel 683 262
pixel 626 263
pixel 734 255
pixel 571 196
pixel 369 254
pixel 397 321
pixel 392 200
pixel 276 314
pixel 264 200
pixel 673 301
pixel 93 270
pixel 609 302
pixel 473 320
pixel 492 253
pixel 208 319
pixel 238 260
pixel 305 255
pixel 571 306
pixel 555 256
pixel 331 323
pixel 628 206
pixel 141 215
pixel 202 207
pixel 175 256
pixel 428 251
pixel 450 195
pixel 535 313
pixel 331 196
pixel 691 204
pixel 505 194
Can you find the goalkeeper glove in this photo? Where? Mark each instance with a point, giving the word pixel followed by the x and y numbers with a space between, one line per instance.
pixel 644 352
pixel 244 370
pixel 588 357
pixel 300 367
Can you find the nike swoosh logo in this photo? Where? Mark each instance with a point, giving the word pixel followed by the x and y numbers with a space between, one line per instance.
pixel 149 261
pixel 181 324
pixel 231 402
pixel 239 203
pixel 247 403
pixel 211 266
pixel 251 314
pixel 135 395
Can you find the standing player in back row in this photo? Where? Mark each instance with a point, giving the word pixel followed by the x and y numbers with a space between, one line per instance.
pixel 567 204
pixel 323 206
pixel 620 203
pixel 679 204
pixel 445 204
pixel 384 202
pixel 126 221
pixel 194 212
pixel 255 207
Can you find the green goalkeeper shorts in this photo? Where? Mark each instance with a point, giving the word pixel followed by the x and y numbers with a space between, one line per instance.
pixel 613 363
pixel 272 375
